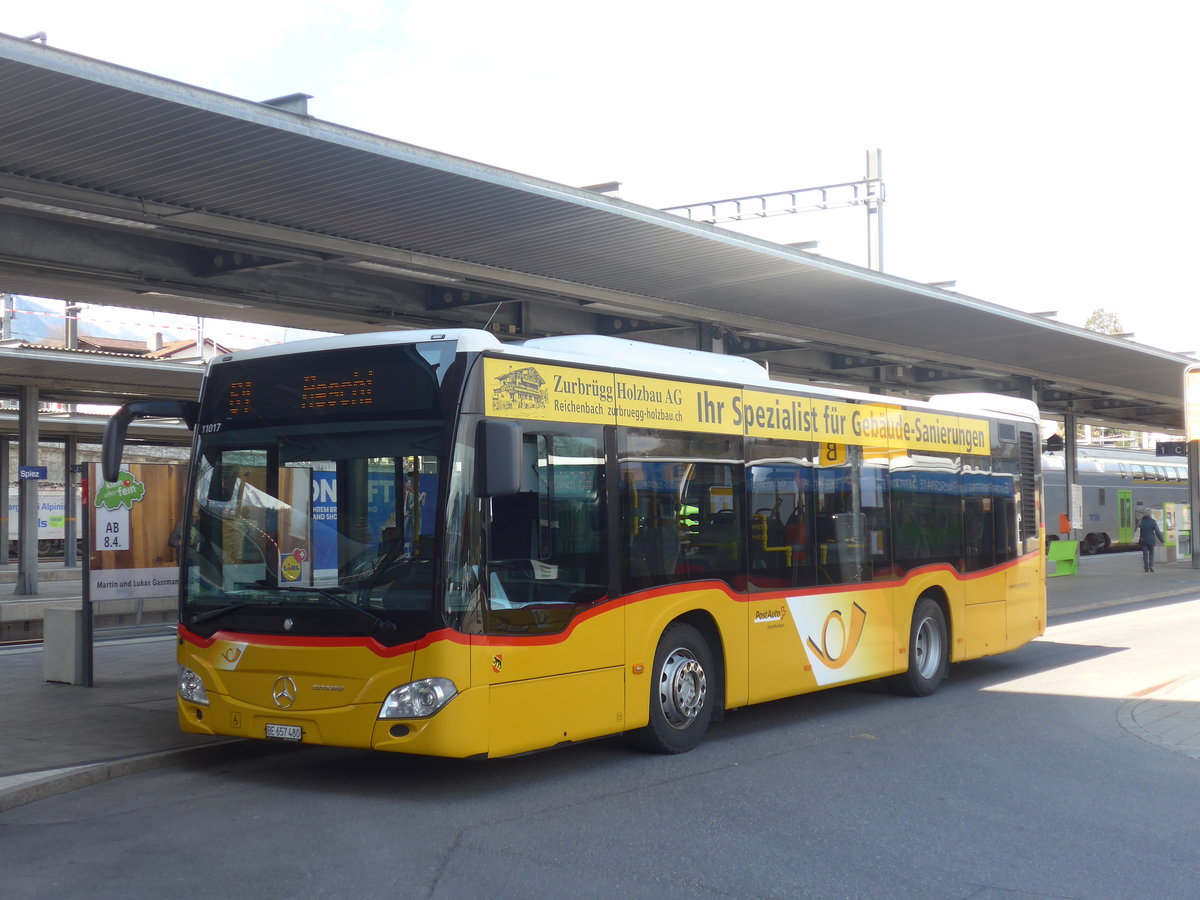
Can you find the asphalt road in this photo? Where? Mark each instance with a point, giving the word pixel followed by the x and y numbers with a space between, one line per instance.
pixel 1020 778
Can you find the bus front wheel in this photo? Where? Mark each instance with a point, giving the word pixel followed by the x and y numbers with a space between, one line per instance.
pixel 681 697
pixel 928 651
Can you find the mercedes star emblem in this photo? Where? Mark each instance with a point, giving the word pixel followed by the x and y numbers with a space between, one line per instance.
pixel 283 692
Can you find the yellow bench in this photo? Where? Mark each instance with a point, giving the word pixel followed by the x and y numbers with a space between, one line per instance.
pixel 1065 556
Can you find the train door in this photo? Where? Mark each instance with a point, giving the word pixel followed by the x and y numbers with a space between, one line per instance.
pixel 1124 515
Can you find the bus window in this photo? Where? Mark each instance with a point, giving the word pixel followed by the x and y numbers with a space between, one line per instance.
pixel 547 544
pixel 463 544
pixel 850 510
pixel 927 510
pixel 654 524
pixel 681 509
pixel 779 489
pixel 1007 521
pixel 979 540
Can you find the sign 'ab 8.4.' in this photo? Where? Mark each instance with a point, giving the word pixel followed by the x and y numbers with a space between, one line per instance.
pixel 132 519
pixel 114 500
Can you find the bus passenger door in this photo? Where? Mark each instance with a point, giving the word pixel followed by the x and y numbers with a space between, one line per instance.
pixel 553 644
pixel 780 500
pixel 820 610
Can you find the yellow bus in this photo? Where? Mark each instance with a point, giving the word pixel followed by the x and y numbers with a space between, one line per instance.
pixel 437 543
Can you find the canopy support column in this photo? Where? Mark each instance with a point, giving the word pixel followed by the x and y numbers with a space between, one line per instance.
pixel 1070 467
pixel 27 493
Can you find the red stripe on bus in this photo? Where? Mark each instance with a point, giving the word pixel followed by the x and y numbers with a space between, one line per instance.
pixel 603 606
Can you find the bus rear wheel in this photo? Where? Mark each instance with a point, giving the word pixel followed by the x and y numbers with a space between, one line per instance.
pixel 928 651
pixel 681 697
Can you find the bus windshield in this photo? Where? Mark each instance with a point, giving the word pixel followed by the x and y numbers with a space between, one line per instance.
pixel 315 497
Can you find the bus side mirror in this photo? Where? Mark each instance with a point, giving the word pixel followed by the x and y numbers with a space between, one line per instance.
pixel 115 427
pixel 498 452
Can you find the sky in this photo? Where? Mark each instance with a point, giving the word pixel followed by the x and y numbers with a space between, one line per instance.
pixel 1035 153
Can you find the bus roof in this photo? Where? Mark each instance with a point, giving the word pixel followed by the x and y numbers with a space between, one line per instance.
pixel 604 351
pixel 624 353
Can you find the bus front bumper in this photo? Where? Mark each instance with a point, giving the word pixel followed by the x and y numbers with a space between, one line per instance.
pixel 460 729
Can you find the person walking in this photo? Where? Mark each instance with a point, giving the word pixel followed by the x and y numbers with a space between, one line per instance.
pixel 1149 534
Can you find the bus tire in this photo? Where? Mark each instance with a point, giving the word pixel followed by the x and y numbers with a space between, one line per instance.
pixel 928 651
pixel 681 697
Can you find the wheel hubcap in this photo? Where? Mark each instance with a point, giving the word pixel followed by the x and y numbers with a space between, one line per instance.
pixel 682 688
pixel 927 648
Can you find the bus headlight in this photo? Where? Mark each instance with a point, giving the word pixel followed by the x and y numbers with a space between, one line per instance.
pixel 191 688
pixel 418 699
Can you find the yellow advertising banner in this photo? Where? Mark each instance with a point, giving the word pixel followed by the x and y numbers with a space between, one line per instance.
pixel 525 390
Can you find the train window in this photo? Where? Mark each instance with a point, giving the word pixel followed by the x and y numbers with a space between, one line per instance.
pixel 1123 469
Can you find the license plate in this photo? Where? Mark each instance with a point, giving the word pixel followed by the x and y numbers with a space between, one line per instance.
pixel 284 732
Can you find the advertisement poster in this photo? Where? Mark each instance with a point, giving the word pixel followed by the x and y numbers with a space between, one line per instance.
pixel 133 521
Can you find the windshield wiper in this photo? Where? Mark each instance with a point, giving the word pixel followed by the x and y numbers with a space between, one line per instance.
pixel 217 613
pixel 385 626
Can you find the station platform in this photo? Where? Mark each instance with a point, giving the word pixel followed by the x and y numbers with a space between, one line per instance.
pixel 61 587
pixel 59 737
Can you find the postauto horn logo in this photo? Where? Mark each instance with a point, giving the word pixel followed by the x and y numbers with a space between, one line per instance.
pixel 830 642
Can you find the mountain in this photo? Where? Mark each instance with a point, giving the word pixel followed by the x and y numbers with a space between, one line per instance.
pixel 39 321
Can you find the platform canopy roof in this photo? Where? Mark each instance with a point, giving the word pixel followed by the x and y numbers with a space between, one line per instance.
pixel 123 188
